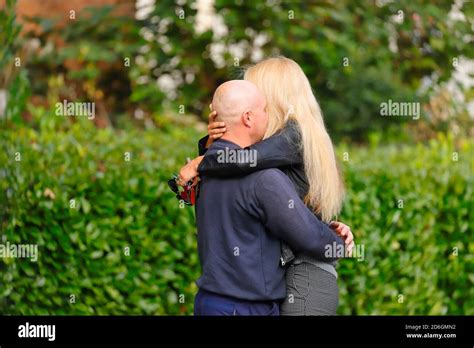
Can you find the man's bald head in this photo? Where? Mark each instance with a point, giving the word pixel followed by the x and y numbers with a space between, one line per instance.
pixel 242 107
pixel 235 97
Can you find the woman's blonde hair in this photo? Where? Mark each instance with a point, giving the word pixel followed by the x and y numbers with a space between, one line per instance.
pixel 290 97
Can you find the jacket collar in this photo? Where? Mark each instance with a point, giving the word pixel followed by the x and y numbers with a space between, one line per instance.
pixel 222 143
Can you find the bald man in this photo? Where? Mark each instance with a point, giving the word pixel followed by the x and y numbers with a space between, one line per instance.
pixel 242 106
pixel 242 220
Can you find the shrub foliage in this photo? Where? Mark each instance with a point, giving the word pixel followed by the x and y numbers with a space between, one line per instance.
pixel 75 195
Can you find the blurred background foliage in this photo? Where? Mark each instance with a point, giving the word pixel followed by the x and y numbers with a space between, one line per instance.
pixel 355 53
pixel 151 77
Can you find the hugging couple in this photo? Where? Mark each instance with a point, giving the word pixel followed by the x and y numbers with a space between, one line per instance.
pixel 266 242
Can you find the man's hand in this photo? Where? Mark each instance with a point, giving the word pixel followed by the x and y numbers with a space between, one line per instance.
pixel 344 231
pixel 189 172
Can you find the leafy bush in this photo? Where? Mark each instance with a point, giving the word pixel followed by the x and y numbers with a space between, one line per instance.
pixel 120 204
pixel 412 208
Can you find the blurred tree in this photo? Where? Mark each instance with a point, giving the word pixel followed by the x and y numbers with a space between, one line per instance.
pixel 13 78
pixel 355 54
pixel 88 59
pixel 174 63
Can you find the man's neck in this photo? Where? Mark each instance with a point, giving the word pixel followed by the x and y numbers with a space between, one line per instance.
pixel 241 140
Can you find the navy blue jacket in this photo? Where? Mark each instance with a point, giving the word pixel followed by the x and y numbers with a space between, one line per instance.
pixel 282 150
pixel 241 221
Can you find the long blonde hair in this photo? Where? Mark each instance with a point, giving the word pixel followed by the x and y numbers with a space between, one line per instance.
pixel 290 97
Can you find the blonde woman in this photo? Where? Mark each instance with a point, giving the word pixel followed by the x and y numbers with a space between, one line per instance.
pixel 296 141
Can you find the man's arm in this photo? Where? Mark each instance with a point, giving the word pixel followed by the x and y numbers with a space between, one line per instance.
pixel 288 218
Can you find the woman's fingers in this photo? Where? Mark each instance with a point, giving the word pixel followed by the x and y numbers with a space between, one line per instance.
pixel 212 116
pixel 216 129
pixel 349 249
pixel 216 125
pixel 345 233
pixel 342 230
pixel 349 238
pixel 216 133
pixel 337 226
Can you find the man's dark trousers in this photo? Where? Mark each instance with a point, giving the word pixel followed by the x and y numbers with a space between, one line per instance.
pixel 209 303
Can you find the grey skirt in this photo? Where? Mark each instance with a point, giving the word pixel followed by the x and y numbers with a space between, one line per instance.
pixel 310 290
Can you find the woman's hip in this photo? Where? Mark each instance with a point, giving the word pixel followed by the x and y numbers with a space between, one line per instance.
pixel 310 290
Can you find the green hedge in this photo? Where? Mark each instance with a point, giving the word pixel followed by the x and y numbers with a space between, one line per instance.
pixel 123 204
pixel 421 250
pixel 119 204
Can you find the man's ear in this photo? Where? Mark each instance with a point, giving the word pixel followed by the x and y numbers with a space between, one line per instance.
pixel 247 118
